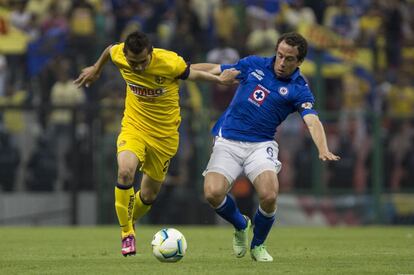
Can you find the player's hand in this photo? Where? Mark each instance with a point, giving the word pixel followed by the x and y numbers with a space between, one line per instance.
pixel 328 156
pixel 228 77
pixel 88 75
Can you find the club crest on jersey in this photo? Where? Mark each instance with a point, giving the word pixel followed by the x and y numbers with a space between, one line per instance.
pixel 159 79
pixel 258 96
pixel 283 91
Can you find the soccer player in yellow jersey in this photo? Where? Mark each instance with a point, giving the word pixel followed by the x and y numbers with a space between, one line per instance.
pixel 149 133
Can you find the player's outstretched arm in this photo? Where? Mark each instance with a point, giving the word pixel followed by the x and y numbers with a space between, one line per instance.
pixel 91 74
pixel 207 67
pixel 227 77
pixel 318 136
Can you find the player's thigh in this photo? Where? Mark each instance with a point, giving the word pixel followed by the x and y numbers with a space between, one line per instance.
pixel 226 159
pixel 131 141
pixel 158 156
pixel 263 157
pixel 127 160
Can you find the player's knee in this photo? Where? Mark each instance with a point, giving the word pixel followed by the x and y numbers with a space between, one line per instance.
pixel 269 199
pixel 125 176
pixel 148 197
pixel 213 195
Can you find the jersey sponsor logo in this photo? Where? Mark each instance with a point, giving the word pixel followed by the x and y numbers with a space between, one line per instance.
pixel 258 96
pixel 307 105
pixel 259 72
pixel 283 91
pixel 143 91
pixel 257 75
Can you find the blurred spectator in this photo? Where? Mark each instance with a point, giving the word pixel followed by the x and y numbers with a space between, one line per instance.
pixel 225 22
pixel 262 40
pixel 371 32
pixel 122 12
pixel 137 20
pixel 400 99
pixel 183 42
pixel 111 104
pixel 19 124
pixel 342 172
pixel 221 95
pixel 64 94
pixel 370 25
pixel 294 14
pixel 156 12
pixel 355 91
pixel 20 17
pixel 39 8
pixel 79 162
pixel 259 10
pixel 344 22
pixel 54 20
pixel 400 150
pixel 318 8
pixel 393 22
pixel 303 163
pixel 42 166
pixel 82 33
pixel 188 24
pixel 9 162
pixel 12 119
pixel 165 31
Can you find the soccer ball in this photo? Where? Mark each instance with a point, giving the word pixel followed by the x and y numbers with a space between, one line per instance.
pixel 169 245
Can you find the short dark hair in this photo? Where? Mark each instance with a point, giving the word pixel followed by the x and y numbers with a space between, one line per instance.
pixel 295 40
pixel 137 41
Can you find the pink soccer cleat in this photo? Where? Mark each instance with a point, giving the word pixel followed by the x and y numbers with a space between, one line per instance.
pixel 128 246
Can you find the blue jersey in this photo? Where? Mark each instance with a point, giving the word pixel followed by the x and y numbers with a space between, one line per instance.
pixel 262 101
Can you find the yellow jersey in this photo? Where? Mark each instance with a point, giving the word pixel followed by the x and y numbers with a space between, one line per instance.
pixel 152 99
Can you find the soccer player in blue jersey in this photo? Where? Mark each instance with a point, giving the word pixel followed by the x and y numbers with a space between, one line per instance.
pixel 270 88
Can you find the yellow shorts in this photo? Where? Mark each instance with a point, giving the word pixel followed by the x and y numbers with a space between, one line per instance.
pixel 154 154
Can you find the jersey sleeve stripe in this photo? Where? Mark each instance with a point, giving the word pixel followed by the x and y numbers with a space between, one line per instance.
pixel 186 72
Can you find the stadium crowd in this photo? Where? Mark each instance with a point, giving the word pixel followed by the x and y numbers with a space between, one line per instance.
pixel 45 43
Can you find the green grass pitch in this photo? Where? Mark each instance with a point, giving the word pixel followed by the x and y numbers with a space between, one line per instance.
pixel 310 250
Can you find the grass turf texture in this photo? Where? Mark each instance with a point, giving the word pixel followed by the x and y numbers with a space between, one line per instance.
pixel 96 250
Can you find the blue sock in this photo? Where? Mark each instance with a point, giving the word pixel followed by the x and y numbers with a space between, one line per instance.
pixel 229 211
pixel 262 226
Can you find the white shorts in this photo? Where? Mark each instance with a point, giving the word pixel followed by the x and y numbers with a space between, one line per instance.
pixel 231 158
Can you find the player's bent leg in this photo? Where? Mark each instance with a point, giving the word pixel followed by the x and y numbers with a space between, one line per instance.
pixel 215 192
pixel 125 200
pixel 145 196
pixel 266 185
pixel 141 207
pixel 215 188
